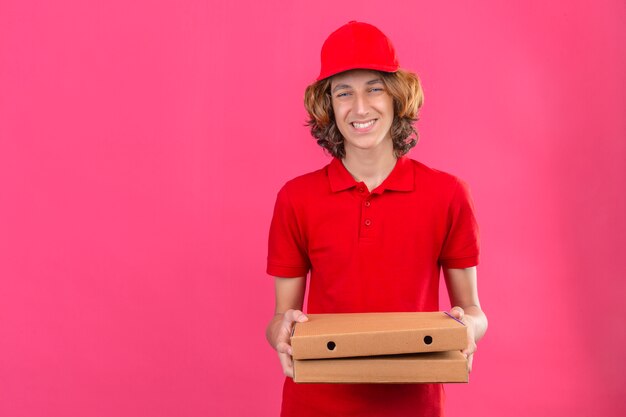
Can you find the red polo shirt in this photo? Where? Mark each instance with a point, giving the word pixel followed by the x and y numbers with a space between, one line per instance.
pixel 369 252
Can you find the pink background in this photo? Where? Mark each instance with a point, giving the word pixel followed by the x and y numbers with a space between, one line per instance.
pixel 142 145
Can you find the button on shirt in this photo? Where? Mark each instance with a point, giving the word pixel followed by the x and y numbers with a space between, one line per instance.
pixel 370 251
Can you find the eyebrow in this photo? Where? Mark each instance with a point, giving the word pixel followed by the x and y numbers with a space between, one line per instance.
pixel 370 82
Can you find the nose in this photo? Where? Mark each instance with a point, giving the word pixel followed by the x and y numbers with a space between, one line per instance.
pixel 361 105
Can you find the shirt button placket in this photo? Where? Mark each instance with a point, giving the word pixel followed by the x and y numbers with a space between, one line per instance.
pixel 368 221
pixel 366 225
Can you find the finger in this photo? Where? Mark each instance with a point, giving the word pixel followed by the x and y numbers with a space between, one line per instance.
pixel 471 349
pixel 470 358
pixel 287 364
pixel 288 316
pixel 299 316
pixel 285 330
pixel 457 312
pixel 286 325
pixel 295 315
pixel 284 348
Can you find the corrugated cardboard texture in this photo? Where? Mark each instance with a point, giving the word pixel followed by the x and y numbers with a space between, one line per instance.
pixel 415 368
pixel 368 334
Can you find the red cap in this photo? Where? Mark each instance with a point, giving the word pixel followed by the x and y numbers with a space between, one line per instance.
pixel 357 45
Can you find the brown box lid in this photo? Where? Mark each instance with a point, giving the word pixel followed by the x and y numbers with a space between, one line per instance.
pixel 435 367
pixel 369 334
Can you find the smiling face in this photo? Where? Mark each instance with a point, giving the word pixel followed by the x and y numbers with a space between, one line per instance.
pixel 363 109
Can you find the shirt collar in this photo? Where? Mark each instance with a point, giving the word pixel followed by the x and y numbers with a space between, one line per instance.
pixel 401 177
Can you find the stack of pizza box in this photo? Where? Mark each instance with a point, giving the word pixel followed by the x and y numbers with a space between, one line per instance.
pixel 406 347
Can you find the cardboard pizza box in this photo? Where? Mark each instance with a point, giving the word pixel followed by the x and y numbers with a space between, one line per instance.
pixel 435 367
pixel 326 336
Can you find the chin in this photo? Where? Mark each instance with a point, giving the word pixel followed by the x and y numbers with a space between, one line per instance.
pixel 366 145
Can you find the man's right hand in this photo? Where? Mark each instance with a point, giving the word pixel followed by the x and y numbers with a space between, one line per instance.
pixel 281 337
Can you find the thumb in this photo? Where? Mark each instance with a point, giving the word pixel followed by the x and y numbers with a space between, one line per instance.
pixel 457 312
pixel 300 317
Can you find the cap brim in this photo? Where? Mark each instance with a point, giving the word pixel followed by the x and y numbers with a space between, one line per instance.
pixel 337 70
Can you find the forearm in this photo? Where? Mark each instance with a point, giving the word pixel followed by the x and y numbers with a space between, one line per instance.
pixel 463 291
pixel 289 299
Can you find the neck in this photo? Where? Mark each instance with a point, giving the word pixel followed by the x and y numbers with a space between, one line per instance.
pixel 370 166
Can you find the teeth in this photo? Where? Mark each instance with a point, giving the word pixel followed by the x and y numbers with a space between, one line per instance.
pixel 363 125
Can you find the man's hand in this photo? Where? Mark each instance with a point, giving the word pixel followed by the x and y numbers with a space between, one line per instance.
pixel 289 298
pixel 458 313
pixel 281 336
pixel 463 293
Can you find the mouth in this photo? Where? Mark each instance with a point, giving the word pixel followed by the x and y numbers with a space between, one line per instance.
pixel 363 126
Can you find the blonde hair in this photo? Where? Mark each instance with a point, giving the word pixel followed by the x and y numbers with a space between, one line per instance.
pixel 408 97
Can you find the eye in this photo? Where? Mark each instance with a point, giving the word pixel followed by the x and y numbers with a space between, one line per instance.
pixel 376 89
pixel 342 95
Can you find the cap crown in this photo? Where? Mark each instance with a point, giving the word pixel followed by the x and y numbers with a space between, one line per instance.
pixel 357 45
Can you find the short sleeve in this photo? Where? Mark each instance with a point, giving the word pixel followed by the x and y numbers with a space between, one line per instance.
pixel 461 247
pixel 286 256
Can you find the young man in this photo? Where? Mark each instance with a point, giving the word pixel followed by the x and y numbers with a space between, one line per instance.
pixel 373 227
